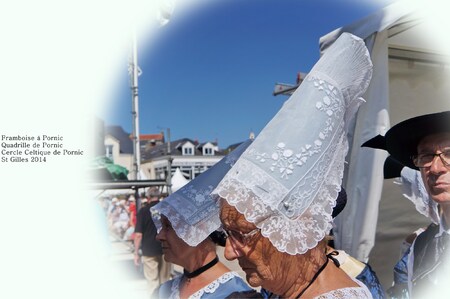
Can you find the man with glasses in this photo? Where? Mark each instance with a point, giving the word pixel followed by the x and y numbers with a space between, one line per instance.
pixel 423 143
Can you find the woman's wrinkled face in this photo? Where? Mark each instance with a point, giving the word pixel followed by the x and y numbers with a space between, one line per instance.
pixel 258 258
pixel 175 250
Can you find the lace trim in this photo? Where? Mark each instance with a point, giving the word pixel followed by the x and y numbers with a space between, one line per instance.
pixel 192 210
pixel 210 288
pixel 208 218
pixel 308 223
pixel 361 292
pixel 414 190
pixel 345 293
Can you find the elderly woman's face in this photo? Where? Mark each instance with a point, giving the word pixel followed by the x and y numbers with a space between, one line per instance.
pixel 257 257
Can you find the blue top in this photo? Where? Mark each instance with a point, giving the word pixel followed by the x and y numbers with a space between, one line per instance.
pixel 399 290
pixel 220 288
pixel 367 277
pixel 348 292
pixel 370 279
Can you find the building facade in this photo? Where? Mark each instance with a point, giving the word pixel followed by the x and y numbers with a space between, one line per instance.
pixel 157 156
pixel 191 157
pixel 119 146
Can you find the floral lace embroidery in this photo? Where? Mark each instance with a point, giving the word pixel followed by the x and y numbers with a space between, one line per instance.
pixel 294 220
pixel 199 196
pixel 210 288
pixel 230 160
pixel 284 159
pixel 296 234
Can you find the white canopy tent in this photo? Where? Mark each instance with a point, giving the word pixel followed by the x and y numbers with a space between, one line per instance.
pixel 408 80
pixel 178 180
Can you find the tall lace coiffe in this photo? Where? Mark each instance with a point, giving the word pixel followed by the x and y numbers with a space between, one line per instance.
pixel 287 181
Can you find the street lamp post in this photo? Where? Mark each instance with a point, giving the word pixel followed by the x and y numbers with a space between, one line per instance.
pixel 169 164
pixel 134 72
pixel 164 10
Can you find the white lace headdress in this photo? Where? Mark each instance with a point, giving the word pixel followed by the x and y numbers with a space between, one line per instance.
pixel 414 190
pixel 192 211
pixel 287 181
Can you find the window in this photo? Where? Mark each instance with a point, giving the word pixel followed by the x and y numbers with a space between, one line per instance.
pixel 188 151
pixel 207 151
pixel 109 151
pixel 160 173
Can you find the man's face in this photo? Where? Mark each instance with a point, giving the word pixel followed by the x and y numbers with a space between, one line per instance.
pixel 436 177
pixel 262 263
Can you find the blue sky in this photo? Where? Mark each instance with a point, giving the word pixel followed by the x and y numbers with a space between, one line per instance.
pixel 210 72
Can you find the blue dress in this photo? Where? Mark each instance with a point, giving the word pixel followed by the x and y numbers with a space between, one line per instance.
pixel 360 292
pixel 399 290
pixel 220 288
pixel 370 279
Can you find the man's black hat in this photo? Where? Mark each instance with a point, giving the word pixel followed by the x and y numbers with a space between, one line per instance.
pixel 341 201
pixel 401 140
pixel 392 168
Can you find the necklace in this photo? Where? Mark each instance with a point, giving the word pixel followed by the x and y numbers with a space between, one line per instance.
pixel 200 270
pixel 314 278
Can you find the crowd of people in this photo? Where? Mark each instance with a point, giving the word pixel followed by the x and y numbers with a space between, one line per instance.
pixel 271 202
pixel 121 216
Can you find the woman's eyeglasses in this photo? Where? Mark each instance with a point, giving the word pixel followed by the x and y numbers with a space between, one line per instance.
pixel 239 238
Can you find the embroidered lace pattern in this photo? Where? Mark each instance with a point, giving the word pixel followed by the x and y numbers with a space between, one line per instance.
pixel 361 292
pixel 210 288
pixel 187 225
pixel 287 181
pixel 291 228
pixel 283 159
pixel 192 211
pixel 346 293
pixel 414 190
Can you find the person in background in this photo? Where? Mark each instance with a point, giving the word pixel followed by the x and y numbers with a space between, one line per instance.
pixel 129 233
pixel 120 219
pixel 423 143
pixel 156 271
pixel 144 202
pixel 188 228
pixel 112 206
pixel 132 210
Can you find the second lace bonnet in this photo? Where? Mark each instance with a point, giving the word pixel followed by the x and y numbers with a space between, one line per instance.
pixel 192 211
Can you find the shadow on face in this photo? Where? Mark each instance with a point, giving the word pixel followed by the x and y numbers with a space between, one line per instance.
pixel 175 250
pixel 262 263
